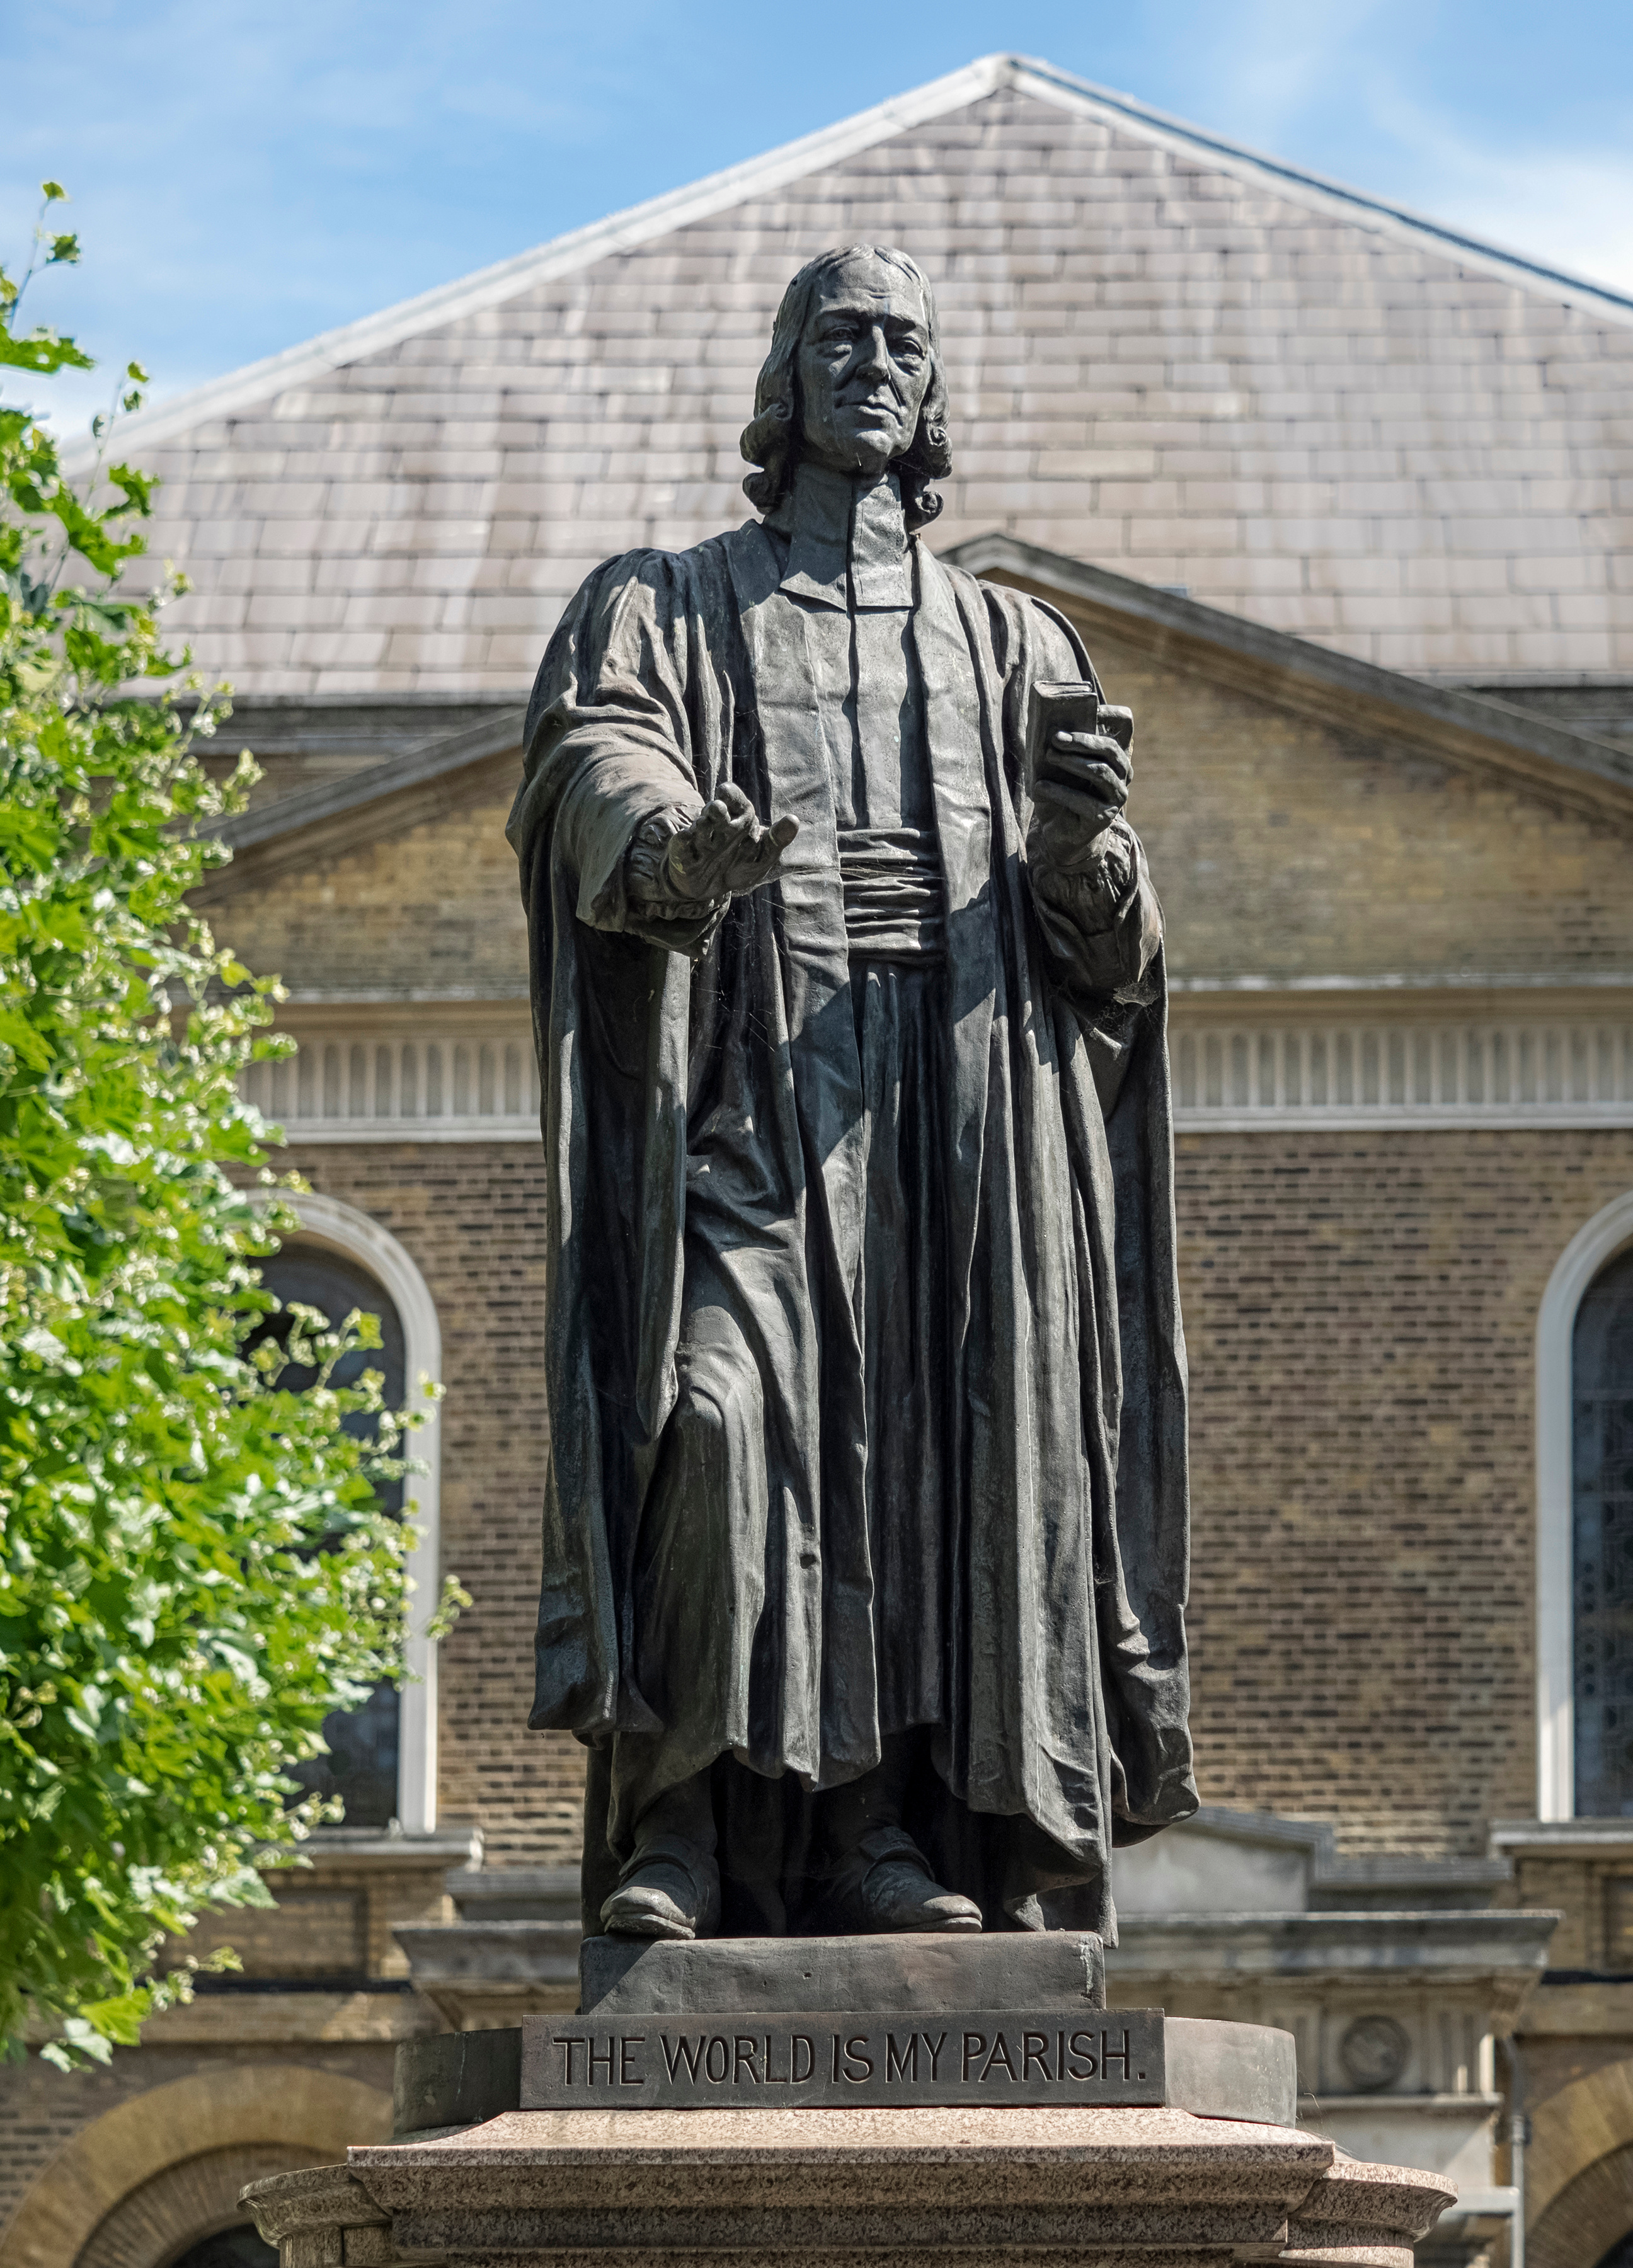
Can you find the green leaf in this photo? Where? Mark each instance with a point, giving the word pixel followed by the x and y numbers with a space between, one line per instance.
pixel 53 192
pixel 43 351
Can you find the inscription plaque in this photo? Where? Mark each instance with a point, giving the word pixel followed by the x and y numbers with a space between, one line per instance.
pixel 684 2061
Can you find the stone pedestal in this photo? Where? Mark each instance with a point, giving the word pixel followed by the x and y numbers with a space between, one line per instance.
pixel 530 2148
pixel 948 2187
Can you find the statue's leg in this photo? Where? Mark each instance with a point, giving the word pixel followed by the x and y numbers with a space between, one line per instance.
pixel 698 1583
pixel 879 1879
pixel 670 1884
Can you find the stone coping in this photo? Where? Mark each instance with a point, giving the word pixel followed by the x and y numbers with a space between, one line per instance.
pixel 752 2188
pixel 1033 2147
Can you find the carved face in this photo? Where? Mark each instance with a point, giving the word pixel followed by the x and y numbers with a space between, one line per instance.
pixel 863 365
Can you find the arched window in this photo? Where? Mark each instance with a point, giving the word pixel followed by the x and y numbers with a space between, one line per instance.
pixel 1585 1524
pixel 1601 1421
pixel 361 1767
pixel 385 1279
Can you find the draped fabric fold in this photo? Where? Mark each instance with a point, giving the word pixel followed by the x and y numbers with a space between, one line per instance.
pixel 715 1584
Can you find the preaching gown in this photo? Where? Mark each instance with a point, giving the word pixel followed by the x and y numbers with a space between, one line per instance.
pixel 864 1359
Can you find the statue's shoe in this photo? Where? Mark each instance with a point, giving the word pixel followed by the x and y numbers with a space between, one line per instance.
pixel 666 1894
pixel 897 1894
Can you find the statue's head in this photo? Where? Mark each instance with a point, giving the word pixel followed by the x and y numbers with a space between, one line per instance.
pixel 853 379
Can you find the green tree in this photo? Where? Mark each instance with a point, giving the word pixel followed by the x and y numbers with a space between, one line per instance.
pixel 194 1567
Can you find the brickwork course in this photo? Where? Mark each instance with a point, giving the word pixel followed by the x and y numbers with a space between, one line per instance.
pixel 1165 356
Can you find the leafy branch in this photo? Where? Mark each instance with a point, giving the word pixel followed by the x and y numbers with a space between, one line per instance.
pixel 195 1567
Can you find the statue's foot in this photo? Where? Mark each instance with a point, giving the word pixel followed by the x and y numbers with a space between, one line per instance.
pixel 665 1895
pixel 898 1895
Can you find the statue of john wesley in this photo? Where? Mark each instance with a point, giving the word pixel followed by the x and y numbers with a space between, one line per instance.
pixel 866 1516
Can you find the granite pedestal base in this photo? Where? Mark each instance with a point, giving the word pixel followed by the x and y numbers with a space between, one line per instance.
pixel 938 2188
pixel 976 2162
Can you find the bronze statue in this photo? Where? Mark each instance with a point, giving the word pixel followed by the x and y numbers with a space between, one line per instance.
pixel 865 1520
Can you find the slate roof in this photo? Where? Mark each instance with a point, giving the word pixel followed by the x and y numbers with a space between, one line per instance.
pixel 1169 357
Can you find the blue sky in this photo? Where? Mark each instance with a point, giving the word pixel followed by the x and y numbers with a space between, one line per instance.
pixel 244 176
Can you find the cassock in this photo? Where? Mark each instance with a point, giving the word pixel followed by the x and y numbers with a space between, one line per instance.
pixel 864 1359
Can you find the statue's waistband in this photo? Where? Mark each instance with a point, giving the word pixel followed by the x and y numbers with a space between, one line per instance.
pixel 895 906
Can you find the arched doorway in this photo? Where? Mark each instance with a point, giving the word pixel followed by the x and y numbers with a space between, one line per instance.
pixel 233 2248
pixel 188 2215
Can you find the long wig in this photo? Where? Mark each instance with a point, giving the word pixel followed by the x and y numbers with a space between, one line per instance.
pixel 771 437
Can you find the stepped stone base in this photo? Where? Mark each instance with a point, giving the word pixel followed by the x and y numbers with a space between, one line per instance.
pixel 1120 2188
pixel 1007 1969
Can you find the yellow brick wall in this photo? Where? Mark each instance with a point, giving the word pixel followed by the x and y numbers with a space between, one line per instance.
pixel 1279 847
pixel 1283 847
pixel 1359 1310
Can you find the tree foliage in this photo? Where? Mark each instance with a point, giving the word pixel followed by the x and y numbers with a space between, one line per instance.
pixel 195 1569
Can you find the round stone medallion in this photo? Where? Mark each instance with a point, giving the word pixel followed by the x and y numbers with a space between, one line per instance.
pixel 1373 2054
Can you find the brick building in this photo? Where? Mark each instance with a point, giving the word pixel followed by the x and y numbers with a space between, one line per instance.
pixel 1341 502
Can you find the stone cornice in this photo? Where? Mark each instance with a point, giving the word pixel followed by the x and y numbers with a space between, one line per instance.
pixel 1468 729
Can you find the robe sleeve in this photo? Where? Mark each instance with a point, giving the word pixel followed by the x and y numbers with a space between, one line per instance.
pixel 1096 909
pixel 608 745
pixel 625 726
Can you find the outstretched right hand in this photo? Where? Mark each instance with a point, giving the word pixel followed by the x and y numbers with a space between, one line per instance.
pixel 725 850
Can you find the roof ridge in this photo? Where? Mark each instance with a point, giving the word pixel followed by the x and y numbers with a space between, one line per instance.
pixel 717 192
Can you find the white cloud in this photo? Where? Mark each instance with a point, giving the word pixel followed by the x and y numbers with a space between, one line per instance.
pixel 1339 86
pixel 1570 209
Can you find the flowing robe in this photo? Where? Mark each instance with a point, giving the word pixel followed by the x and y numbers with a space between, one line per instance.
pixel 709 1588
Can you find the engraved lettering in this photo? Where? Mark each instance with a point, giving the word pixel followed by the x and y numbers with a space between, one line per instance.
pixel 683 2051
pixel 883 2057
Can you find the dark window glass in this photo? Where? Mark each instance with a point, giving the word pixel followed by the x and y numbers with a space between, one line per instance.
pixel 361 1767
pixel 229 2248
pixel 1602 1542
